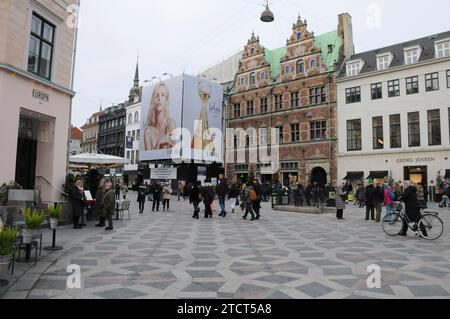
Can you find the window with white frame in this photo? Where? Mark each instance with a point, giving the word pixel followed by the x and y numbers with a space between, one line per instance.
pixel 383 62
pixel 353 68
pixel 412 56
pixel 443 49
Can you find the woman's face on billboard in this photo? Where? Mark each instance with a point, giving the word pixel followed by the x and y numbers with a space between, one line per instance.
pixel 161 98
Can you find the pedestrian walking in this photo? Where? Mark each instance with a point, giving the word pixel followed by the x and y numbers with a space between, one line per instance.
pixel 445 196
pixel 141 197
pixel 99 205
pixel 340 202
pixel 248 196
pixel 78 199
pixel 124 189
pixel 378 201
pixel 222 192
pixel 157 192
pixel 117 190
pixel 109 205
pixel 256 204
pixel 388 199
pixel 195 198
pixel 167 195
pixel 233 196
pixel 207 193
pixel 370 201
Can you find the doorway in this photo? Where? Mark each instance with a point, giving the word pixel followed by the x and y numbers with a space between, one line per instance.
pixel 319 176
pixel 27 152
pixel 417 174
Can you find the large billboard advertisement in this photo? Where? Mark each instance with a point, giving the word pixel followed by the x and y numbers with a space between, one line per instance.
pixel 191 103
pixel 161 116
pixel 202 117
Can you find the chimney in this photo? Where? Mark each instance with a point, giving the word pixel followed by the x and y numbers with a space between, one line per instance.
pixel 345 30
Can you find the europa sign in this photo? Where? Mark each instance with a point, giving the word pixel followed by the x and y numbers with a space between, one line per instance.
pixel 41 96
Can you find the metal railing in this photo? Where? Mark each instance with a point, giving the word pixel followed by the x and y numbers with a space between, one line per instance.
pixel 53 187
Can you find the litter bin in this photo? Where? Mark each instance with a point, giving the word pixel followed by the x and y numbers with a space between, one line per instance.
pixel 275 200
pixel 285 199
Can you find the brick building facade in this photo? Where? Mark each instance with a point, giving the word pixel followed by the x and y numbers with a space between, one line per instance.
pixel 293 89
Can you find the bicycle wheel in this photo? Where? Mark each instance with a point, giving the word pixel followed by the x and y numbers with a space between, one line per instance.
pixel 430 226
pixel 392 224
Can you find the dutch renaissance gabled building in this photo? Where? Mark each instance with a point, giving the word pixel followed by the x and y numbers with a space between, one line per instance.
pixel 292 89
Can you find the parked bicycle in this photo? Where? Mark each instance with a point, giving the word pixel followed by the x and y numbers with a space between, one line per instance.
pixel 429 221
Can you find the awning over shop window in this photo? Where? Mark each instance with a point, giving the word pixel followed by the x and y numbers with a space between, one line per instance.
pixel 378 175
pixel 352 176
pixel 447 174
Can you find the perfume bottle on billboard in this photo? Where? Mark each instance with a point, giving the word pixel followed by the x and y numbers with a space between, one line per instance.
pixel 202 139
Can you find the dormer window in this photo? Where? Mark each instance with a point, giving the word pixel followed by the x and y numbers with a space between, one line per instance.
pixel 287 69
pixel 412 55
pixel 330 48
pixel 252 78
pixel 443 49
pixel 252 51
pixel 353 68
pixel 384 61
pixel 300 66
pixel 299 36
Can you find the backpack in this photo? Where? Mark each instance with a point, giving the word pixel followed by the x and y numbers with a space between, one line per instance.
pixel 252 195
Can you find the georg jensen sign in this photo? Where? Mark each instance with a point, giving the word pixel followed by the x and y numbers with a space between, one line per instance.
pixel 41 96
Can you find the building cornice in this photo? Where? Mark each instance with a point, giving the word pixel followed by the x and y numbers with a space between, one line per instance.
pixel 29 76
pixel 399 151
pixel 392 70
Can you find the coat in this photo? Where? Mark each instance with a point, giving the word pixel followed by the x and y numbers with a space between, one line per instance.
pixel 167 192
pixel 340 203
pixel 109 201
pixel 99 205
pixel 78 199
pixel 409 197
pixel 142 192
pixel 222 189
pixel 370 195
pixel 194 196
pixel 378 196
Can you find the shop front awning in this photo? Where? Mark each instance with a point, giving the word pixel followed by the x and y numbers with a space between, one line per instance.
pixel 447 174
pixel 378 175
pixel 354 176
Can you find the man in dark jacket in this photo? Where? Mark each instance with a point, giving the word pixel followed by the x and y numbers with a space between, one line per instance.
pixel 222 191
pixel 109 204
pixel 378 200
pixel 157 192
pixel 412 210
pixel 208 198
pixel 370 201
pixel 194 198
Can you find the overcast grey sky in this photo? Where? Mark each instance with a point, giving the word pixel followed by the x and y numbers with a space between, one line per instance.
pixel 190 35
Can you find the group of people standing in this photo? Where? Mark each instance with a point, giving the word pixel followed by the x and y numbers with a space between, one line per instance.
pixel 104 204
pixel 158 192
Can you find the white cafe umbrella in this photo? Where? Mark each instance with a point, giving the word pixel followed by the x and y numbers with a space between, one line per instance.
pixel 97 159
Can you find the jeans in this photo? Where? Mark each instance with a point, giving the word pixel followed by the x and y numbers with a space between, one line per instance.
pixel 249 209
pixel 141 206
pixel 388 209
pixel 370 210
pixel 155 204
pixel 222 204
pixel 445 200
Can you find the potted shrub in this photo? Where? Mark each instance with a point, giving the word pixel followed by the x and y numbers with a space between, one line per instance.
pixel 7 244
pixel 33 222
pixel 54 213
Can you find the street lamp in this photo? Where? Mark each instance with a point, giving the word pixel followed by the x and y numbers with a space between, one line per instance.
pixel 267 15
pixel 168 74
pixel 153 78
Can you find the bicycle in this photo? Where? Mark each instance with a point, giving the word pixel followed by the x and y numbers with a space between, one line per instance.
pixel 393 223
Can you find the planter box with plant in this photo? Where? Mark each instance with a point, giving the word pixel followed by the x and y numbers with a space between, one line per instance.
pixel 54 213
pixel 33 223
pixel 7 245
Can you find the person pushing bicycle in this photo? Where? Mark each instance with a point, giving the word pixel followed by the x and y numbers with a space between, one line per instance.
pixel 412 209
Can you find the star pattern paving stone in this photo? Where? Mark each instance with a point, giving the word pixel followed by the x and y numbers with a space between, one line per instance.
pixel 281 256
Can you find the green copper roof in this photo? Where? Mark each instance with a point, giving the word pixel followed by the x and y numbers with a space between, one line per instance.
pixel 322 42
pixel 273 57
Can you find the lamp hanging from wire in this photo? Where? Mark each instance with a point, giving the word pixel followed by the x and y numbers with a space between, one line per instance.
pixel 267 15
